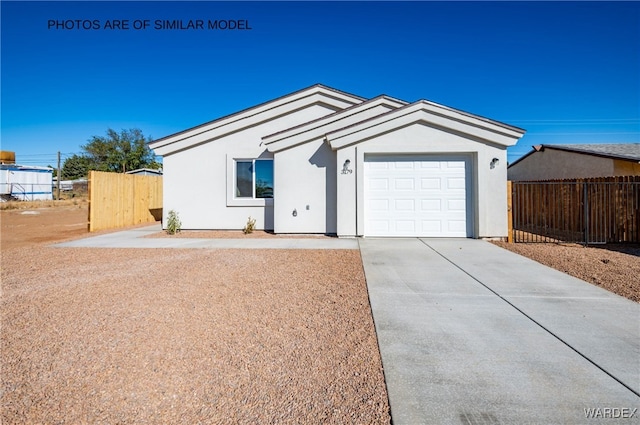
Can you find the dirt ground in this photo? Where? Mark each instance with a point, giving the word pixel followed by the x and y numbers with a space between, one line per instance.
pixel 181 336
pixel 24 227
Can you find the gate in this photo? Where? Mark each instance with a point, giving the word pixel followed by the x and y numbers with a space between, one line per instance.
pixel 588 211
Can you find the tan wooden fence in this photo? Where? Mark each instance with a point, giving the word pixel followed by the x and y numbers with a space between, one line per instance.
pixel 595 210
pixel 121 200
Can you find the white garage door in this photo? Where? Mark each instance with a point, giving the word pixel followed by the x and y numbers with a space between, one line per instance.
pixel 416 196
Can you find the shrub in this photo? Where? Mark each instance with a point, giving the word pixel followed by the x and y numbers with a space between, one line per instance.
pixel 173 223
pixel 250 226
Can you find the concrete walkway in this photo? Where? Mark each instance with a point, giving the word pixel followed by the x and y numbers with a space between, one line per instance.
pixel 136 238
pixel 471 333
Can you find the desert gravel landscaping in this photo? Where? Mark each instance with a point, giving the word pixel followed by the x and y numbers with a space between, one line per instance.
pixel 184 336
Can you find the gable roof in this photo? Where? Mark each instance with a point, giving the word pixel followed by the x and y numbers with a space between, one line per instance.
pixel 316 94
pixel 432 114
pixel 622 151
pixel 320 127
pixel 145 170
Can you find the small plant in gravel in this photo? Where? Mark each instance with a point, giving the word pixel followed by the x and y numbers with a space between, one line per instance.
pixel 174 225
pixel 250 226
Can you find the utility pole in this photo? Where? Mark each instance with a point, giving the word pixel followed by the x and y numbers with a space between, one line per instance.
pixel 59 176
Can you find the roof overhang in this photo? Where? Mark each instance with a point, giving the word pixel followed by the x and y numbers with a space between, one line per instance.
pixel 319 128
pixel 431 114
pixel 315 95
pixel 631 155
pixel 592 150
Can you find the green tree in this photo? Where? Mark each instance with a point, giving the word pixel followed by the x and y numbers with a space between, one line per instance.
pixel 115 152
pixel 76 167
pixel 120 152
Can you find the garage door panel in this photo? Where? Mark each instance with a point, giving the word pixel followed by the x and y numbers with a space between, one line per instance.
pixel 432 226
pixel 456 205
pixel 430 164
pixel 455 183
pixel 431 205
pixel 454 164
pixel 432 183
pixel 405 226
pixel 379 184
pixel 403 165
pixel 404 184
pixel 405 205
pixel 457 226
pixel 421 197
pixel 376 165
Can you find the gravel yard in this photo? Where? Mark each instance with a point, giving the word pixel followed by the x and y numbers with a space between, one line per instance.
pixel 183 336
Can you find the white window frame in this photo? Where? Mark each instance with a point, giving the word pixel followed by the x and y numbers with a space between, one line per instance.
pixel 232 199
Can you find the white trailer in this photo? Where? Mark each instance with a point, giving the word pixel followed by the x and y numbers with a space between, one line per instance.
pixel 18 182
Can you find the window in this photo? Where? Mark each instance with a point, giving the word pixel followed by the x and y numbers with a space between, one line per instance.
pixel 254 178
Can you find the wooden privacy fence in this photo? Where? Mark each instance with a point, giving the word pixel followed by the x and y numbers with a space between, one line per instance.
pixel 121 200
pixel 596 210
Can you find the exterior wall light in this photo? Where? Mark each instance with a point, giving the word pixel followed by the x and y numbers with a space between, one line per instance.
pixel 494 162
pixel 295 213
pixel 345 167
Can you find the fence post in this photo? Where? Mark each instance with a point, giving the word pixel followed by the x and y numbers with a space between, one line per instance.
pixel 509 211
pixel 585 203
pixel 91 211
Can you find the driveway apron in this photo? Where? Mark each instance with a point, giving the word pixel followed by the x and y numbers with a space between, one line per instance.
pixel 471 333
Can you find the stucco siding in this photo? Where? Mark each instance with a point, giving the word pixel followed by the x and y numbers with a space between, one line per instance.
pixel 198 181
pixel 305 178
pixel 556 164
pixel 346 193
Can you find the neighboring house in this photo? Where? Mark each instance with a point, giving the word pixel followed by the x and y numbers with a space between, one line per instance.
pixel 320 160
pixel 550 162
pixel 25 183
pixel 145 172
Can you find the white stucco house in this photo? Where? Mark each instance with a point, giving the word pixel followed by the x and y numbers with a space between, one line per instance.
pixel 320 160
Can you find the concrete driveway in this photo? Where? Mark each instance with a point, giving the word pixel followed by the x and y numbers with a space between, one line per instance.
pixel 471 333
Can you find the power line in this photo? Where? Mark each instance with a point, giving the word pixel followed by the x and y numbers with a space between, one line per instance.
pixel 579 121
pixel 534 133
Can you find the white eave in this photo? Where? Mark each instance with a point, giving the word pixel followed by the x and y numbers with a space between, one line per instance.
pixel 431 114
pixel 317 94
pixel 320 127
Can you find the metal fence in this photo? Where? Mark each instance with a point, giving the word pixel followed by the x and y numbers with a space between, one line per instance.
pixel 589 211
pixel 40 191
pixel 25 191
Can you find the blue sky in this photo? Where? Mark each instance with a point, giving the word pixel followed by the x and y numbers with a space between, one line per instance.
pixel 565 72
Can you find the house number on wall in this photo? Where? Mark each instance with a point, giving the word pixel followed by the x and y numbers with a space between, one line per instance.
pixel 345 167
